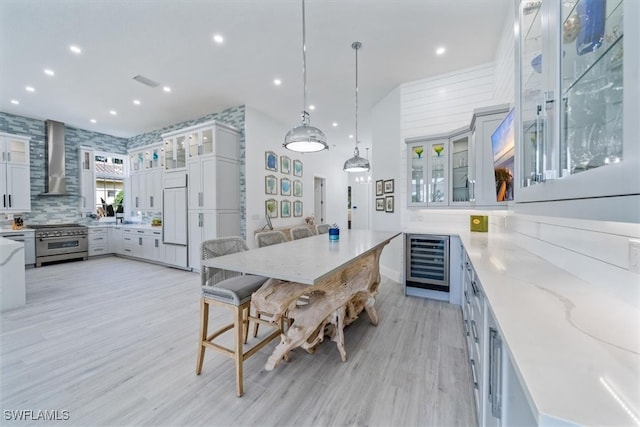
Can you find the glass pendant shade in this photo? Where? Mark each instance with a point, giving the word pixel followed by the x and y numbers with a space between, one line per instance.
pixel 305 138
pixel 356 163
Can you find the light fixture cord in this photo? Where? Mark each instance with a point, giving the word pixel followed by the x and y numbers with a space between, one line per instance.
pixel 305 114
pixel 356 46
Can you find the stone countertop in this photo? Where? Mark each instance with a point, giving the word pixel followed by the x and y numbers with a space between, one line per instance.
pixel 575 345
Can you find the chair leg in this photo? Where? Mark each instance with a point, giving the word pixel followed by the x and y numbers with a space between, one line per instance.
pixel 255 325
pixel 239 318
pixel 204 323
pixel 245 325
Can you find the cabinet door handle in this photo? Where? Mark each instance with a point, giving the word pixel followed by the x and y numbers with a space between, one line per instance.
pixel 200 199
pixel 140 241
pixel 200 220
pixel 199 150
pixel 495 376
pixel 136 201
pixel 474 287
pixel 466 327
pixel 9 200
pixel 4 200
pixel 9 156
pixel 151 201
pixel 157 244
pixel 474 377
pixel 474 331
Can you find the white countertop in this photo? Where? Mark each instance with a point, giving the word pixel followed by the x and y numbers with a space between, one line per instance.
pixel 306 260
pixel 575 345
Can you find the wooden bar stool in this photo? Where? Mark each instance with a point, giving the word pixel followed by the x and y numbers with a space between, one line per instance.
pixel 233 292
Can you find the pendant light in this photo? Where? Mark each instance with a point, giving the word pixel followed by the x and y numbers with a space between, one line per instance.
pixel 305 138
pixel 356 163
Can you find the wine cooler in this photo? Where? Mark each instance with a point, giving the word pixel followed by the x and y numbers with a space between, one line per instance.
pixel 427 262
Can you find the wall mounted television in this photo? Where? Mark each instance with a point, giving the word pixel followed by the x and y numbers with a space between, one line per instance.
pixel 503 146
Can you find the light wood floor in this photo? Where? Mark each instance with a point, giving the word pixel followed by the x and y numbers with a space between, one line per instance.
pixel 114 341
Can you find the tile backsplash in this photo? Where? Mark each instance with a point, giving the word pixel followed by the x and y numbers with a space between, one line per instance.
pixel 65 209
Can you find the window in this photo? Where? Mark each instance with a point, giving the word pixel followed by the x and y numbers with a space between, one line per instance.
pixel 110 173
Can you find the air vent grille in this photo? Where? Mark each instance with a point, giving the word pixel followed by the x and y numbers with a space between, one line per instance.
pixel 145 81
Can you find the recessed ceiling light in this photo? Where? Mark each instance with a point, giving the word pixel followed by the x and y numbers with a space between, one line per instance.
pixel 113 112
pixel 30 89
pixel 277 82
pixel 440 50
pixel 312 107
pixel 218 38
pixel 136 101
pixel 166 89
pixel 75 49
pixel 49 72
pixel 93 121
pixel 350 136
pixel 15 101
pixel 334 124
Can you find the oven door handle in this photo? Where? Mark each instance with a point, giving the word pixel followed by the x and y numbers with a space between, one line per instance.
pixel 42 239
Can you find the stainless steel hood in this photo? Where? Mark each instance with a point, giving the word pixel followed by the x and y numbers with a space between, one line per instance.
pixel 56 179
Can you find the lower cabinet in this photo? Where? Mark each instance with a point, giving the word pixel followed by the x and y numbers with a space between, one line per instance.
pixel 146 244
pixel 98 241
pixel 499 396
pixel 210 224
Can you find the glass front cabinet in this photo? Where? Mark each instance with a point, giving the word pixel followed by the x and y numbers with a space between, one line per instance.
pixel 429 166
pixel 578 97
pixel 455 169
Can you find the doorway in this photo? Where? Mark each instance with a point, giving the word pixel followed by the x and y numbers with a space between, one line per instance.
pixel 319 197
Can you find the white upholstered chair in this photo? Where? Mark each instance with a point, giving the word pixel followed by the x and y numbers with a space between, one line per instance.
pixel 300 232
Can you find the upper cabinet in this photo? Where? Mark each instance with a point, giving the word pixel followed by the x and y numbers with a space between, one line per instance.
pixel 87 180
pixel 15 184
pixel 578 99
pixel 455 168
pixel 145 180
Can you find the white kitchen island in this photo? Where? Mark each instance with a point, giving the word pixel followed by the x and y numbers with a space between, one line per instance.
pixel 12 277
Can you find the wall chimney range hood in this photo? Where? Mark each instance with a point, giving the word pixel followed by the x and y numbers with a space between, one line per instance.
pixel 54 150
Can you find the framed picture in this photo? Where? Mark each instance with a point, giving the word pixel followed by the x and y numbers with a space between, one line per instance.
pixel 297 188
pixel 285 186
pixel 388 204
pixel 379 187
pixel 297 208
pixel 271 208
pixel 270 184
pixel 380 203
pixel 271 161
pixel 285 165
pixel 297 168
pixel 285 208
pixel 388 186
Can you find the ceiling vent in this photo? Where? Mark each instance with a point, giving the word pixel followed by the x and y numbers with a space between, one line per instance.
pixel 145 81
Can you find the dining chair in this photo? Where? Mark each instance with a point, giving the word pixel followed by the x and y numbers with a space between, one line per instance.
pixel 233 291
pixel 268 238
pixel 300 232
pixel 322 228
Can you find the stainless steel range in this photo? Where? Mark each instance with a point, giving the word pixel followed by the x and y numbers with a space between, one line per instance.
pixel 59 242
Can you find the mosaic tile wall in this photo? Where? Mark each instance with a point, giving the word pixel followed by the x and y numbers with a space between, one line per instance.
pixel 57 209
pixel 61 209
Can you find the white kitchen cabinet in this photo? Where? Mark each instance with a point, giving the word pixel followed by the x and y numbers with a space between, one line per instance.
pixel 578 105
pixel 455 169
pixel 98 241
pixel 115 240
pixel 15 185
pixel 146 165
pixel 500 399
pixel 87 179
pixel 212 224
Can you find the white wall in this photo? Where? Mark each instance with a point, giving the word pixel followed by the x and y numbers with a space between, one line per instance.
pixel 263 133
pixel 504 65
